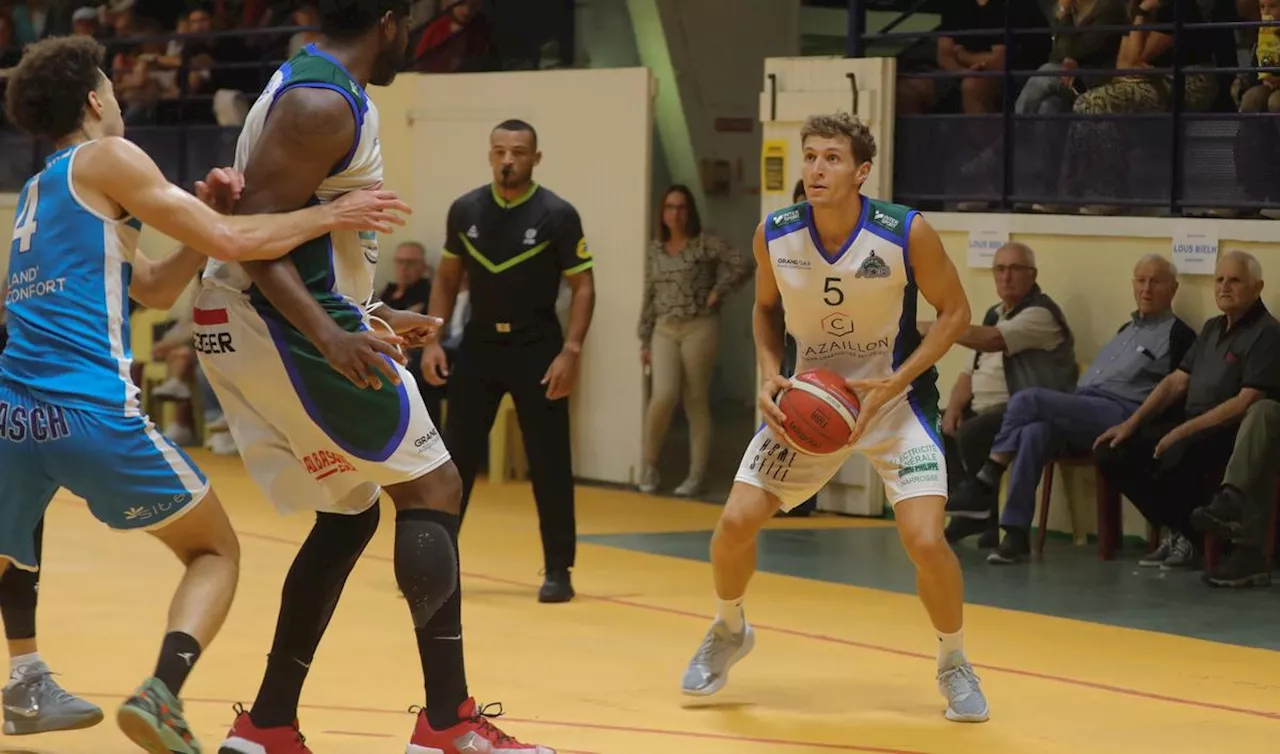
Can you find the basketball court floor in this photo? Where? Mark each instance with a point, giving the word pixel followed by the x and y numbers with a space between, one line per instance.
pixel 1075 655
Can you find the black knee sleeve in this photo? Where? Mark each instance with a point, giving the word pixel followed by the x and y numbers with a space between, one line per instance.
pixel 426 560
pixel 19 593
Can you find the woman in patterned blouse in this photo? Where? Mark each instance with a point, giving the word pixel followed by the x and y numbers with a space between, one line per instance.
pixel 688 274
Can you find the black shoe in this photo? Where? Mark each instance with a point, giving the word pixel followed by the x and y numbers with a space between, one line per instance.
pixel 557 587
pixel 963 528
pixel 991 537
pixel 1224 517
pixel 1014 549
pixel 1245 566
pixel 972 500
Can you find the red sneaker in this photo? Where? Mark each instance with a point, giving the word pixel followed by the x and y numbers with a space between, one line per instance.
pixel 247 738
pixel 474 734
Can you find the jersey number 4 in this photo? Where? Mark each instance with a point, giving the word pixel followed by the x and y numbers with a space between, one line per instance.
pixel 832 294
pixel 25 226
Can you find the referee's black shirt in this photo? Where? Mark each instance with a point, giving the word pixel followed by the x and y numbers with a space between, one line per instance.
pixel 515 254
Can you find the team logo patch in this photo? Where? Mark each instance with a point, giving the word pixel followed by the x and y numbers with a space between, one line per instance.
pixel 873 267
pixel 583 251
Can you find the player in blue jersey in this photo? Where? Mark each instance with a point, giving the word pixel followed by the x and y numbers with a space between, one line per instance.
pixel 69 412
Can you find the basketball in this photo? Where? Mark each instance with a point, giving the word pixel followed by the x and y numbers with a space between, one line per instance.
pixel 821 412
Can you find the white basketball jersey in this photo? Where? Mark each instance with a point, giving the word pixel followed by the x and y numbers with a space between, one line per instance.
pixel 353 257
pixel 854 311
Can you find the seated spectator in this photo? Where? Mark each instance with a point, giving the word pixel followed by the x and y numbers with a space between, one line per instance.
pixel 1162 457
pixel 1074 55
pixel 36 19
pixel 1040 423
pixel 1095 148
pixel 1023 342
pixel 1257 150
pixel 411 291
pixel 85 22
pixel 1240 510
pixel 305 15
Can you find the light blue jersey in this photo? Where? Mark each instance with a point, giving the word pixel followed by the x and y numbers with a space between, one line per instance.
pixel 69 411
pixel 68 297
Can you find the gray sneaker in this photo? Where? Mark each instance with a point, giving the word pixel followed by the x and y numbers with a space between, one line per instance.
pixel 708 672
pixel 1158 556
pixel 1181 555
pixel 960 687
pixel 35 703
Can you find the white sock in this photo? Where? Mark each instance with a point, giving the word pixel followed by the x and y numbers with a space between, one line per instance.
pixel 16 663
pixel 949 644
pixel 731 614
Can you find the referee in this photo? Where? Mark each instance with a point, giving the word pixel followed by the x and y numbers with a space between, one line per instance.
pixel 517 241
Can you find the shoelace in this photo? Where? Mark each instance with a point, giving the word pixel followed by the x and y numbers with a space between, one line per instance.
pixel 481 720
pixel 297 729
pixel 43 682
pixel 960 680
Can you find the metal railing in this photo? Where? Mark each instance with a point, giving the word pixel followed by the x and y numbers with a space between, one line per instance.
pixel 1177 138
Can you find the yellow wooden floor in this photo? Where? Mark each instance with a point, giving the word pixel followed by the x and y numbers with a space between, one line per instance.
pixel 836 668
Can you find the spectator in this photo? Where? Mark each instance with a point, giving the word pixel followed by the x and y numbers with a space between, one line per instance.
pixel 34 20
pixel 457 40
pixel 1167 459
pixel 1095 148
pixel 1041 422
pixel 1023 342
pixel 1257 150
pixel 962 53
pixel 411 291
pixel 688 274
pixel 85 22
pixel 1074 54
pixel 1239 511
pixel 10 50
pixel 1262 94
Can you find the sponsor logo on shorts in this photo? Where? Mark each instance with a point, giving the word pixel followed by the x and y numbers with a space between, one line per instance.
pixel 772 459
pixel 41 423
pixel 323 464
pixel 920 465
pixel 145 513
pixel 427 441
pixel 213 343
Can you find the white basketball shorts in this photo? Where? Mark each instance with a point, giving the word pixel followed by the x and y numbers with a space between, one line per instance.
pixel 904 444
pixel 310 439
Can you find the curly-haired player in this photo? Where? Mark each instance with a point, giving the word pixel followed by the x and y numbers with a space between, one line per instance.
pixel 69 412
pixel 847 270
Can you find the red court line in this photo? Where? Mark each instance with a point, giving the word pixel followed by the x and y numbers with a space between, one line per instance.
pixel 851 643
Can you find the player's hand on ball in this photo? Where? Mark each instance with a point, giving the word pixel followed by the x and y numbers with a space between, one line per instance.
pixel 368 209
pixel 434 364
pixel 768 400
pixel 359 356
pixel 221 189
pixel 873 395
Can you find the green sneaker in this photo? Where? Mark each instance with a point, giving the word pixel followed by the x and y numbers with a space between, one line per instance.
pixel 152 718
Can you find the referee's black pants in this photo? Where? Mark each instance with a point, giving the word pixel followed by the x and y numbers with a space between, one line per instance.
pixel 485 371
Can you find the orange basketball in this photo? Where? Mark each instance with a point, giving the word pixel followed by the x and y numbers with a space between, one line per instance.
pixel 821 412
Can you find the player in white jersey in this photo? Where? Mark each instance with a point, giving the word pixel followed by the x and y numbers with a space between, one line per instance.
pixel 847 270
pixel 290 349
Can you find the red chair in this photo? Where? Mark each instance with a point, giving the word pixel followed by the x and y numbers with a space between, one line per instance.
pixel 1108 506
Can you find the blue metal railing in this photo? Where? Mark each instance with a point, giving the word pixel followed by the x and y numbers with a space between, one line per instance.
pixel 1177 117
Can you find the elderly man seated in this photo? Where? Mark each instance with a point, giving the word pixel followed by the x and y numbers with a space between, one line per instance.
pixel 1040 423
pixel 1023 342
pixel 1168 460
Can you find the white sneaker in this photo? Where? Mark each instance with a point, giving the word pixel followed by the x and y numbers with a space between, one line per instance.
pixel 649 480
pixel 222 444
pixel 172 389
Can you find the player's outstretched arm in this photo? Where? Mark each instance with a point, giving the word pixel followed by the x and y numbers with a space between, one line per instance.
pixel 309 133
pixel 118 171
pixel 939 283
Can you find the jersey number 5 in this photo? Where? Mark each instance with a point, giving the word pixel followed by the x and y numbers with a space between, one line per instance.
pixel 833 295
pixel 25 227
